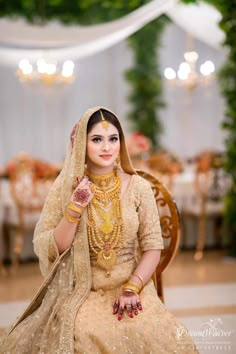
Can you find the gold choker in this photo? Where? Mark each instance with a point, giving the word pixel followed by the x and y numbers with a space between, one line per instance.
pixel 103 181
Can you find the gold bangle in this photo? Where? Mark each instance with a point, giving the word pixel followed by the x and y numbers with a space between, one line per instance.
pixel 132 286
pixel 129 290
pixel 70 218
pixel 74 207
pixel 140 278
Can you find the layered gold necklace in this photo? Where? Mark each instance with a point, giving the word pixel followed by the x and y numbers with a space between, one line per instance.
pixel 105 224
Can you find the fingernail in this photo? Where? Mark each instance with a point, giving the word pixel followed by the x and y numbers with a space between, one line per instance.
pixel 119 318
pixel 131 315
pixel 135 312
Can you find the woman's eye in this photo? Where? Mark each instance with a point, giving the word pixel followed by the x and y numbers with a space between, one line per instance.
pixel 96 140
pixel 114 138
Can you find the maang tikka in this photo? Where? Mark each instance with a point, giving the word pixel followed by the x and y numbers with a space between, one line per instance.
pixel 105 123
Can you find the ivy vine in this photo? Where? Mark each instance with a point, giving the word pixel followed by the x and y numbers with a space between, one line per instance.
pixel 145 80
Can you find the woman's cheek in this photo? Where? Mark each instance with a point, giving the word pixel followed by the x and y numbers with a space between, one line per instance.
pixel 117 149
pixel 91 149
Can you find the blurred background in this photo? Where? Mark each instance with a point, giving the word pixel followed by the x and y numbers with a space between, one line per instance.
pixel 167 69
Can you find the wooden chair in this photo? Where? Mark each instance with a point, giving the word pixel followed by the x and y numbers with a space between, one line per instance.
pixel 28 194
pixel 169 219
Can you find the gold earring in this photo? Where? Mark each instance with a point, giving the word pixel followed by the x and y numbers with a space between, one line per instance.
pixel 118 160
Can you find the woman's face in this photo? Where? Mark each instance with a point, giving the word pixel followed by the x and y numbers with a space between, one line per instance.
pixel 103 147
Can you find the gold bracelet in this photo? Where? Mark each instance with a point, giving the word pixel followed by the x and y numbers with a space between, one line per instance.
pixel 129 291
pixel 74 207
pixel 132 286
pixel 140 278
pixel 70 218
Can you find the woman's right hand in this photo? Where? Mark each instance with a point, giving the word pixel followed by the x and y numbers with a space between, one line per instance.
pixel 83 193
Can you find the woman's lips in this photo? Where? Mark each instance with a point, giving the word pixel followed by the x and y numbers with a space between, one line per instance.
pixel 106 157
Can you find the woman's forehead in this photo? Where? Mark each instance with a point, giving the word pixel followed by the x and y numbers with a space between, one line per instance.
pixel 99 129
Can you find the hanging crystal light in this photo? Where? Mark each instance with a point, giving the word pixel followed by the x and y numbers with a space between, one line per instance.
pixel 46 71
pixel 187 75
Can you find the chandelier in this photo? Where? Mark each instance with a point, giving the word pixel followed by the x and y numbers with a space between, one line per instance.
pixel 46 71
pixel 187 75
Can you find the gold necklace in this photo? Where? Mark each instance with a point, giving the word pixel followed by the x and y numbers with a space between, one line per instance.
pixel 102 181
pixel 106 234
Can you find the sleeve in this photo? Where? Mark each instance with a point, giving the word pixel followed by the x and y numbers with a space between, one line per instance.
pixel 45 245
pixel 149 232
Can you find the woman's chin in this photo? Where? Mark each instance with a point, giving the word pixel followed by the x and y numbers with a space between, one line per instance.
pixel 102 164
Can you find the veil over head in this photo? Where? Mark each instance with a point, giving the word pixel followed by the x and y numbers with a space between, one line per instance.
pixel 60 193
pixel 74 165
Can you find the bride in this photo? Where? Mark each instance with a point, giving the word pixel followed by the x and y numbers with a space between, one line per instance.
pixel 98 296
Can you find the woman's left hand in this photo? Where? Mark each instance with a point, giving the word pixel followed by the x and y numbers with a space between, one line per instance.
pixel 129 302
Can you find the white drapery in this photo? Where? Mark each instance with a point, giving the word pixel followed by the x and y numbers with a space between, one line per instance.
pixel 77 42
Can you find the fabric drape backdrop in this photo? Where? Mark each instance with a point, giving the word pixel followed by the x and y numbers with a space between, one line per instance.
pixel 79 42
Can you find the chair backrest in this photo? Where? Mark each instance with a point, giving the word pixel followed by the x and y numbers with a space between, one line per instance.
pixel 170 225
pixel 27 190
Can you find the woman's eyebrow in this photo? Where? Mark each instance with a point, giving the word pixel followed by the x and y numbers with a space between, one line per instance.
pixel 102 136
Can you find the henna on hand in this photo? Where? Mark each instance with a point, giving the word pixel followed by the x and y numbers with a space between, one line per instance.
pixel 81 196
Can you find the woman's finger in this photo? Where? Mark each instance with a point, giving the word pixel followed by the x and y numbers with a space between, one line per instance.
pixel 139 305
pixel 115 307
pixel 120 313
pixel 129 309
pixel 121 309
pixel 83 181
pixel 135 307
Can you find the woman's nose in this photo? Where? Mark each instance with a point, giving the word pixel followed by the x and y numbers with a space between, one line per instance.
pixel 106 146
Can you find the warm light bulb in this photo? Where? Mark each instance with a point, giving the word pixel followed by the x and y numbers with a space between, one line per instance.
pixel 170 74
pixel 191 57
pixel 68 68
pixel 207 68
pixel 25 66
pixel 42 66
pixel 182 75
pixel 51 68
pixel 185 67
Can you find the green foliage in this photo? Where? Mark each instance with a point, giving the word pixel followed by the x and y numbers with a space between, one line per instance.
pixel 228 86
pixel 69 11
pixel 145 80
